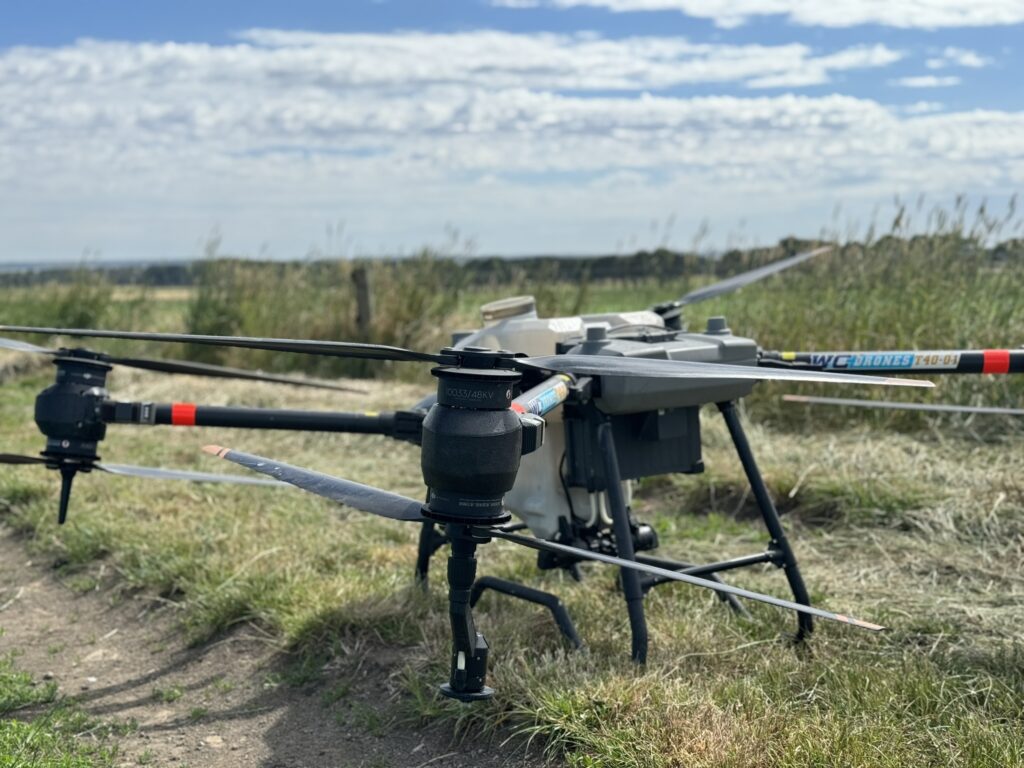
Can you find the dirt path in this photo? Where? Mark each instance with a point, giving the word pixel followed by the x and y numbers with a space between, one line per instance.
pixel 223 705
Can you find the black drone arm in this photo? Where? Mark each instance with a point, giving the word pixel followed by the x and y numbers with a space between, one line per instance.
pixel 900 361
pixel 400 425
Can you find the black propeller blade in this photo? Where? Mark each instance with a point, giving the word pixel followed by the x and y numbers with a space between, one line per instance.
pixel 392 505
pixel 736 282
pixel 302 346
pixel 591 365
pixel 890 405
pixel 223 372
pixel 362 497
pixel 14 458
pixel 187 368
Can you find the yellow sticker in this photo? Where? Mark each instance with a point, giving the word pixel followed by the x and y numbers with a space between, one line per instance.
pixel 789 355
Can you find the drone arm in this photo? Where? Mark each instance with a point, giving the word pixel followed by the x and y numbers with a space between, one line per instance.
pixel 900 361
pixel 401 425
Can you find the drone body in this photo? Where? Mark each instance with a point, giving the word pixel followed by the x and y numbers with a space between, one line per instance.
pixel 654 419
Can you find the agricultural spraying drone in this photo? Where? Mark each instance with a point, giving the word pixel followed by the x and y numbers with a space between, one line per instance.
pixel 473 439
pixel 622 417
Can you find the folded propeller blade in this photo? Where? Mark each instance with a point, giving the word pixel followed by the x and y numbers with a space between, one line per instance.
pixel 391 505
pixel 189 368
pixel 890 405
pixel 303 346
pixel 608 365
pixel 586 554
pixel 587 365
pixel 14 458
pixel 156 473
pixel 365 498
pixel 24 346
pixel 150 473
pixel 736 282
pixel 222 372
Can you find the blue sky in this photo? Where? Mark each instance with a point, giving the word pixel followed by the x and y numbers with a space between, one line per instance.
pixel 132 130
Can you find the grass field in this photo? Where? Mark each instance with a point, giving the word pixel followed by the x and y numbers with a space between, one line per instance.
pixel 922 531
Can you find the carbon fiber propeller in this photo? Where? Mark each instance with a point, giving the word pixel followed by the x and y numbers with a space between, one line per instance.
pixel 396 507
pixel 184 367
pixel 68 470
pixel 151 473
pixel 736 282
pixel 588 365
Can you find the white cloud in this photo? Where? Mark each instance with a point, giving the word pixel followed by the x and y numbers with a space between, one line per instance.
pixel 923 107
pixel 958 57
pixel 583 61
pixel 920 14
pixel 137 149
pixel 815 71
pixel 926 81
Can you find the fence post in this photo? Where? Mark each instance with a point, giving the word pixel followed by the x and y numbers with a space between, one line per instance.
pixel 364 301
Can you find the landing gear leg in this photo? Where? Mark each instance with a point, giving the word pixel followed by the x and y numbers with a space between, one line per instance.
pixel 430 542
pixel 631 587
pixel 779 542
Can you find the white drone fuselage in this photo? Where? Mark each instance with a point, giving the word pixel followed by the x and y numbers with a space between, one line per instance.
pixel 540 497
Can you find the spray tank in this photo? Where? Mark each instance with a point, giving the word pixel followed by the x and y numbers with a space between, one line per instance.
pixel 541 497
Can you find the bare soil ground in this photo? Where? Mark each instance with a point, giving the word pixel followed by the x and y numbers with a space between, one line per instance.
pixel 225 704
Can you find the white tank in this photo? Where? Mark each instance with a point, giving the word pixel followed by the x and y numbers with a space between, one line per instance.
pixel 538 497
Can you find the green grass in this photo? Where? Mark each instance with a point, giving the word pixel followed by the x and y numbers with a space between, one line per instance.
pixel 924 536
pixel 38 731
pixel 18 689
pixel 168 695
pixel 922 531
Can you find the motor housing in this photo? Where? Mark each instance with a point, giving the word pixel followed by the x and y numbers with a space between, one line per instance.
pixel 472 443
pixel 69 412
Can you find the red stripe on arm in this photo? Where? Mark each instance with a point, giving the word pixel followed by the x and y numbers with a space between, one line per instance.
pixel 996 361
pixel 183 414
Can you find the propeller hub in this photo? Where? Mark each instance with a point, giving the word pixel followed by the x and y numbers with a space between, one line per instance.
pixel 479 358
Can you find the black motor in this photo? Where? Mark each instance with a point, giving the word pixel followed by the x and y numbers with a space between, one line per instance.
pixel 69 413
pixel 472 443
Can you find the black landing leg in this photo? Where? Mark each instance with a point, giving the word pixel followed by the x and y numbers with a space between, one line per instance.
pixel 468 678
pixel 430 542
pixel 530 595
pixel 779 543
pixel 631 587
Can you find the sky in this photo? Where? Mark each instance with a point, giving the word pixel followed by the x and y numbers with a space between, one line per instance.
pixel 144 131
